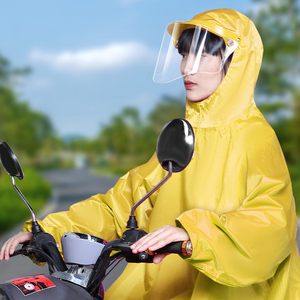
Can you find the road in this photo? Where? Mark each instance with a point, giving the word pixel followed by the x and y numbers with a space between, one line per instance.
pixel 69 186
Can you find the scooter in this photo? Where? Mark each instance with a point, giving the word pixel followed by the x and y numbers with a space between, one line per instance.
pixel 89 259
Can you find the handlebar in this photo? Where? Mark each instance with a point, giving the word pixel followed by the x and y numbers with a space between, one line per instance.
pixel 19 252
pixel 122 246
pixel 43 247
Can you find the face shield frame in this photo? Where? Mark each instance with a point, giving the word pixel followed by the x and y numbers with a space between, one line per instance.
pixel 202 47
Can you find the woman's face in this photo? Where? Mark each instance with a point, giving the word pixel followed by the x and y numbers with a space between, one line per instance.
pixel 200 86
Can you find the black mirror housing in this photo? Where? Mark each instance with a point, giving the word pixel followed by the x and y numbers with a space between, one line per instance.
pixel 176 144
pixel 9 161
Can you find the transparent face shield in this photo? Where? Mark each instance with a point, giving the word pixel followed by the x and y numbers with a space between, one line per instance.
pixel 187 49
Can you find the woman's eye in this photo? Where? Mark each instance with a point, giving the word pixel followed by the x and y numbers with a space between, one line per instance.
pixel 183 55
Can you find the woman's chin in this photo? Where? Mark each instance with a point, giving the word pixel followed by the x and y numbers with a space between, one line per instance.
pixel 196 99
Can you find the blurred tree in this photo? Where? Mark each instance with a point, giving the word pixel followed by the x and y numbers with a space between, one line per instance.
pixel 127 141
pixel 7 73
pixel 118 139
pixel 278 87
pixel 167 109
pixel 20 126
pixel 25 131
pixel 279 25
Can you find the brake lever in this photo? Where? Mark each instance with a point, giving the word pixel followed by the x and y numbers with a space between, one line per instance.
pixel 25 250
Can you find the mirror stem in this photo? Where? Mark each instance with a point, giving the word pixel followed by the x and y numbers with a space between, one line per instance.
pixel 35 226
pixel 132 223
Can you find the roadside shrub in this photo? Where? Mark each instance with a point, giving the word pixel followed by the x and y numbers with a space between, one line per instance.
pixel 13 210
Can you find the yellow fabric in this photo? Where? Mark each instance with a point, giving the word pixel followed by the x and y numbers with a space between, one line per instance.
pixel 234 199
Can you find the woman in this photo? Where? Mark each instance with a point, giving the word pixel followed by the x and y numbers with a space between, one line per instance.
pixel 234 200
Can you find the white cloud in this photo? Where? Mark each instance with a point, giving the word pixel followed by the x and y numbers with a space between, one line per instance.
pixel 117 55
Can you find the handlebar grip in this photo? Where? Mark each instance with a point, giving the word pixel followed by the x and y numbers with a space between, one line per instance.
pixel 175 247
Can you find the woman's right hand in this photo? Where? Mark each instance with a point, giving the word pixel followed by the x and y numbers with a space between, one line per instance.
pixel 11 244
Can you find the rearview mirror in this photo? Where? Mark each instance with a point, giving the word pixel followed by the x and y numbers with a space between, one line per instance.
pixel 12 167
pixel 174 151
pixel 176 144
pixel 10 162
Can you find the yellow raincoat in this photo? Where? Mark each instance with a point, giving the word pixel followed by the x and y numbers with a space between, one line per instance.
pixel 234 199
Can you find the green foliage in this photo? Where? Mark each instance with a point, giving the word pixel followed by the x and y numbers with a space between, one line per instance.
pixel 13 211
pixel 128 141
pixel 278 23
pixel 7 73
pixel 279 26
pixel 167 109
pixel 21 127
pixel 26 131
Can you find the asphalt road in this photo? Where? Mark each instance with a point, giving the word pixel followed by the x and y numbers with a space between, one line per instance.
pixel 69 186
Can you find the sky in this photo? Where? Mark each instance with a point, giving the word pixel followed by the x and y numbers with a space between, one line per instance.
pixel 92 58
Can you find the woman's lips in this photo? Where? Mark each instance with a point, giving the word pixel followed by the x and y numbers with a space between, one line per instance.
pixel 189 84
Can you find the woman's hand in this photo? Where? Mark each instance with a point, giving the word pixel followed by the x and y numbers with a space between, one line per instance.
pixel 11 244
pixel 158 239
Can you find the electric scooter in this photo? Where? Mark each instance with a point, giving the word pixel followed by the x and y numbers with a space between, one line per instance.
pixel 89 259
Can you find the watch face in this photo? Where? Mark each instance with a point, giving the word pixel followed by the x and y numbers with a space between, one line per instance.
pixel 189 248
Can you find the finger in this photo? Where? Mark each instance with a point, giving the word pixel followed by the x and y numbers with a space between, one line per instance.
pixel 13 246
pixel 20 238
pixel 165 230
pixel 168 235
pixel 4 254
pixel 3 248
pixel 145 241
pixel 160 238
pixel 159 257
pixel 3 251
pixel 24 237
pixel 142 240
pixel 155 240
pixel 8 249
pixel 10 245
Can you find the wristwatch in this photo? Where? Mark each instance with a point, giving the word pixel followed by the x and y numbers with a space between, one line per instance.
pixel 187 248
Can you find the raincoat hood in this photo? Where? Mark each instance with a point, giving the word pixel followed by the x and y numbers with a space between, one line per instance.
pixel 234 98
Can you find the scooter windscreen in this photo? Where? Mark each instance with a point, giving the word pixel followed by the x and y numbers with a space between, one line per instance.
pixel 189 49
pixel 81 248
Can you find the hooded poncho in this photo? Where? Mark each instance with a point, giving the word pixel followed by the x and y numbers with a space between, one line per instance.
pixel 234 199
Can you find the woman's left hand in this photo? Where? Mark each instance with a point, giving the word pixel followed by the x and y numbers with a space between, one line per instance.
pixel 158 239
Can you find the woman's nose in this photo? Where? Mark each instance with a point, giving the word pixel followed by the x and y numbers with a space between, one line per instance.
pixel 187 66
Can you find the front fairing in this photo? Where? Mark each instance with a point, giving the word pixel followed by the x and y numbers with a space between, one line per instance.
pixel 44 287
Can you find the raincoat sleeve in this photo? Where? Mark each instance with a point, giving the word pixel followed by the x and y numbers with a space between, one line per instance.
pixel 106 215
pixel 246 246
